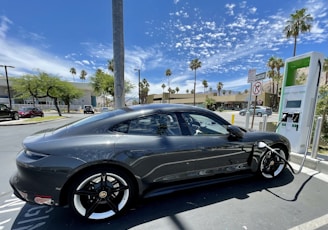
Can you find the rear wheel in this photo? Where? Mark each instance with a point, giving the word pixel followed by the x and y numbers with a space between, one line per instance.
pixel 15 116
pixel 271 164
pixel 102 193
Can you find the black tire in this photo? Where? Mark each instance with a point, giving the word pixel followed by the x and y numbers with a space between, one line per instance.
pixel 259 114
pixel 102 193
pixel 271 165
pixel 15 116
pixel 242 114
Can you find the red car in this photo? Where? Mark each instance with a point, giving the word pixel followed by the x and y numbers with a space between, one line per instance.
pixel 26 112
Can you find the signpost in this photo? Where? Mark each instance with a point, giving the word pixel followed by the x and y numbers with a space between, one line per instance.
pixel 256 89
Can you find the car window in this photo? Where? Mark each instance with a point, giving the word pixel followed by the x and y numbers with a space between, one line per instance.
pixel 156 124
pixel 200 124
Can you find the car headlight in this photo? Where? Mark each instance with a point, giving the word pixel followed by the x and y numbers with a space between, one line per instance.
pixel 34 155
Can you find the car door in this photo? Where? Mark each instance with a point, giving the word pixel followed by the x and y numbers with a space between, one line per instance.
pixel 215 151
pixel 4 111
pixel 155 149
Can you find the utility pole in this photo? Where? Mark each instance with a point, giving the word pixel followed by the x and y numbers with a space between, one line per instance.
pixel 8 88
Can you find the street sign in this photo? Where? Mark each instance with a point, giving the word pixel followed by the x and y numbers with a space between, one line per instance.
pixel 252 76
pixel 256 88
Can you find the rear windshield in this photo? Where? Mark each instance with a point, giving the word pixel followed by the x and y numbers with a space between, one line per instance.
pixel 97 117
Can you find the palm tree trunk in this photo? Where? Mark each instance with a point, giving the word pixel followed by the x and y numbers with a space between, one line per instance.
pixel 195 89
pixel 295 41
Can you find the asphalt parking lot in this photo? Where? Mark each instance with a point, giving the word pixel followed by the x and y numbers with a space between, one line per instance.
pixel 290 202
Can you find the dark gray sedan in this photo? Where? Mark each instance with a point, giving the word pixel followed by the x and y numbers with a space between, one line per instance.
pixel 100 165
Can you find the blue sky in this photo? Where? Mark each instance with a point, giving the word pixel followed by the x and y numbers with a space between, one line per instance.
pixel 228 37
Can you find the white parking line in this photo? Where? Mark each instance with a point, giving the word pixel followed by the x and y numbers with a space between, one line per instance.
pixel 312 224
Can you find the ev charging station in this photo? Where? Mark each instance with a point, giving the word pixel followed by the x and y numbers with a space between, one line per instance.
pixel 298 99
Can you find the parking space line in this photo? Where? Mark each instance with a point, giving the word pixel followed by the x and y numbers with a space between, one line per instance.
pixel 312 224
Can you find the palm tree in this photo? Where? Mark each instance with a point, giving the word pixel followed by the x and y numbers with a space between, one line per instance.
pixel 279 64
pixel 144 89
pixel 168 73
pixel 194 65
pixel 110 65
pixel 271 73
pixel 73 72
pixel 299 22
pixel 163 86
pixel 205 84
pixel 219 87
pixel 325 68
pixel 83 74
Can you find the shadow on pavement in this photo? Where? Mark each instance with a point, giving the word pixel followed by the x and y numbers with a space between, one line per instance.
pixel 54 218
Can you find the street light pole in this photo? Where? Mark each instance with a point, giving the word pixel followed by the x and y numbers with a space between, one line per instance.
pixel 138 84
pixel 8 88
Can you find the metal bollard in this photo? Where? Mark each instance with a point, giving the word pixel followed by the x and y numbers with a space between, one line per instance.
pixel 232 119
pixel 265 120
pixel 247 120
pixel 316 138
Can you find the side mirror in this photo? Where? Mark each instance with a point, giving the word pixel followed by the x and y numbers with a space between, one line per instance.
pixel 262 145
pixel 235 131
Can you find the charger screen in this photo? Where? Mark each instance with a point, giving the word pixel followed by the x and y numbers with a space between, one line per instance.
pixel 293 104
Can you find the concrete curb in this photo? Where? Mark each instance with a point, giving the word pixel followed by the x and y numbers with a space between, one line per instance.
pixel 26 122
pixel 320 164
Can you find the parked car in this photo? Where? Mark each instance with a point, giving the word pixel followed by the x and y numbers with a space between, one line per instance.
pixel 88 109
pixel 28 112
pixel 6 112
pixel 259 111
pixel 101 164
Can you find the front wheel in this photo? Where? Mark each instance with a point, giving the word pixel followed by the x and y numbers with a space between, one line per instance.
pixel 271 164
pixel 102 193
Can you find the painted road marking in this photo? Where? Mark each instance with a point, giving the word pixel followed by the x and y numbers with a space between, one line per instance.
pixel 312 224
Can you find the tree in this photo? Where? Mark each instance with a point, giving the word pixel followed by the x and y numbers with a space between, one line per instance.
pixel 69 93
pixel 194 65
pixel 177 89
pixel 275 64
pixel 41 86
pixel 103 84
pixel 299 22
pixel 110 65
pixel 187 90
pixel 168 73
pixel 279 64
pixel 83 74
pixel 271 73
pixel 325 69
pixel 73 72
pixel 219 87
pixel 144 89
pixel 322 109
pixel 205 84
pixel 210 103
